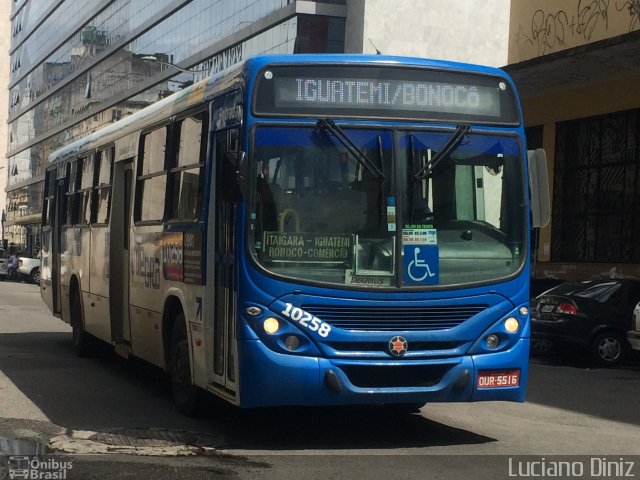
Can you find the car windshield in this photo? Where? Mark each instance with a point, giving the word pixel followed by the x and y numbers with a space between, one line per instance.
pixel 330 206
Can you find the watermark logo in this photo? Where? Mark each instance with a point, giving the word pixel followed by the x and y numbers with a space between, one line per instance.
pixel 567 468
pixel 37 468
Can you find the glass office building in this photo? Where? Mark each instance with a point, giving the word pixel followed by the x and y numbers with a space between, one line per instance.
pixel 78 65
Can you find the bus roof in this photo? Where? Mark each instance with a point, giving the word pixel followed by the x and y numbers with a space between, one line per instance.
pixel 227 79
pixel 259 61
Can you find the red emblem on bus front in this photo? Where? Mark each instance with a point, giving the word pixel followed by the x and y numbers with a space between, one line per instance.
pixel 398 346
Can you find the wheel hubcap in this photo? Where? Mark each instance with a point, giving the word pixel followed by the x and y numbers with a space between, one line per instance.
pixel 609 349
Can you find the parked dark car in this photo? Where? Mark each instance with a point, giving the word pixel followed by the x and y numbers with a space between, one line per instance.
pixel 541 285
pixel 593 315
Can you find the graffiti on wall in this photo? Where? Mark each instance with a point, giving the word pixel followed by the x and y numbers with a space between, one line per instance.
pixel 633 7
pixel 551 30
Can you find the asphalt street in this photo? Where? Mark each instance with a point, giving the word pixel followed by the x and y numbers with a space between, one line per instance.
pixel 114 419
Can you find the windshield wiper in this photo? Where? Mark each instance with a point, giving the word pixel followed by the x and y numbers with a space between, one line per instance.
pixel 412 148
pixel 453 141
pixel 330 126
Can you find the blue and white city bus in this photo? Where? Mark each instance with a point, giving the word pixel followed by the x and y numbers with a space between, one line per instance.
pixel 305 230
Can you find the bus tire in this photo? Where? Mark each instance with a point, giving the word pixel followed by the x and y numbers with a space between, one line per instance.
pixel 82 343
pixel 186 396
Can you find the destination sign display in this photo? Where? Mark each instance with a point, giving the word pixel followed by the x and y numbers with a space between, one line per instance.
pixel 385 92
pixel 308 247
pixel 390 94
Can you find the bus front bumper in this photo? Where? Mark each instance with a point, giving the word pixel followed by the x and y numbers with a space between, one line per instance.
pixel 268 378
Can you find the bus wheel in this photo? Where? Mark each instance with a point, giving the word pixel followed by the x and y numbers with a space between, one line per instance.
pixel 186 396
pixel 81 339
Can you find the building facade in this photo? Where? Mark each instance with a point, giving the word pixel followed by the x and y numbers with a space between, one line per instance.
pixel 5 36
pixel 576 66
pixel 78 65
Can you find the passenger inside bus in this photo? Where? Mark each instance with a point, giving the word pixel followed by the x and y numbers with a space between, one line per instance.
pixel 305 194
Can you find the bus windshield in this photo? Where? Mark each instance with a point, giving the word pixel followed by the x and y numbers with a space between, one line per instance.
pixel 329 205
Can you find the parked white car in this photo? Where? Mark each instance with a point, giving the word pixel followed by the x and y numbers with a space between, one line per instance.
pixel 633 335
pixel 29 269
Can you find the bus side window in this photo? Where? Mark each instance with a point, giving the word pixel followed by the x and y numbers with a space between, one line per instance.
pixel 102 186
pixel 227 146
pixel 187 167
pixel 83 192
pixel 72 204
pixel 152 177
pixel 49 197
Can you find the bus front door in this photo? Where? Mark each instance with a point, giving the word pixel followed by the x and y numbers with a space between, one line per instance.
pixel 222 220
pixel 119 256
pixel 59 209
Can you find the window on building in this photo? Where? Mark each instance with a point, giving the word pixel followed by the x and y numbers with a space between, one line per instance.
pixel 319 34
pixel 596 189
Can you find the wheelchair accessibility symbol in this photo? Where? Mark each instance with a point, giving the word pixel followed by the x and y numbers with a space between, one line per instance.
pixel 421 264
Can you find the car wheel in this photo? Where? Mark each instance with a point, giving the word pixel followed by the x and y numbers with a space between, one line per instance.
pixel 186 396
pixel 608 348
pixel 35 276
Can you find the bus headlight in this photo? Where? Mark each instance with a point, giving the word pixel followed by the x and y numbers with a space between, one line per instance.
pixel 492 341
pixel 292 342
pixel 511 325
pixel 253 310
pixel 271 325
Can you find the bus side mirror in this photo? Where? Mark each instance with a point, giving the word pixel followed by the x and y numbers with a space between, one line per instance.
pixel 539 186
pixel 234 178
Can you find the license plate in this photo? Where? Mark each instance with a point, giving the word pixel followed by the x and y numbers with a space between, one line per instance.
pixel 548 308
pixel 498 379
